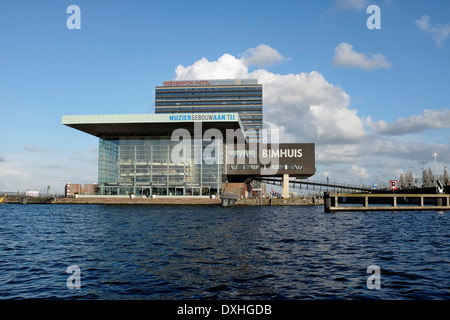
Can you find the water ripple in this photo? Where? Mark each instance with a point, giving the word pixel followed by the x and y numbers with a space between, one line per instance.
pixel 145 252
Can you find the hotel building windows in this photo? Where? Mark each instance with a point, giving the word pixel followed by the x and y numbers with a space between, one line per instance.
pixel 243 96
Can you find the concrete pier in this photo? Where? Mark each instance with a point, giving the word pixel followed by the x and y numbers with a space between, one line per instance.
pixel 285 187
pixel 306 201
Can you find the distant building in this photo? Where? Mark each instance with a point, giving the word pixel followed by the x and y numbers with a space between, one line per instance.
pixel 72 189
pixel 75 188
pixel 32 193
pixel 90 189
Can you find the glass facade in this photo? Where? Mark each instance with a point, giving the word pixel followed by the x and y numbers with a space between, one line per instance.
pixel 145 166
pixel 241 96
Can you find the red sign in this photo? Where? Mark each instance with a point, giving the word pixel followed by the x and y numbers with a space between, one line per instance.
pixel 175 83
pixel 393 184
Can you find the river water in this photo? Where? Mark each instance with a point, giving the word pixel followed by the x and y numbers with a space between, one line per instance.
pixel 211 252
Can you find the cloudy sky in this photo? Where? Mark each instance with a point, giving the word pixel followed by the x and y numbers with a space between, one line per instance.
pixel 375 101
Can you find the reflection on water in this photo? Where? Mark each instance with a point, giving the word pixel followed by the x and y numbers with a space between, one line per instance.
pixel 174 252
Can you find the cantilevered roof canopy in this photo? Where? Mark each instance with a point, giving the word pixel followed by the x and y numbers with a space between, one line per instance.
pixel 151 124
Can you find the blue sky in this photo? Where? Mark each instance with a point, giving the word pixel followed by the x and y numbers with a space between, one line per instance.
pixel 375 102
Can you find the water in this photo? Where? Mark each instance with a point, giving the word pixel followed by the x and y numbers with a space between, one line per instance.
pixel 197 252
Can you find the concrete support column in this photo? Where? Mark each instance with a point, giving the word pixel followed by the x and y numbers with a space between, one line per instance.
pixel 327 201
pixel 285 187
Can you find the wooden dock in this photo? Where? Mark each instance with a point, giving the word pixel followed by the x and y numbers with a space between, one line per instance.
pixel 334 202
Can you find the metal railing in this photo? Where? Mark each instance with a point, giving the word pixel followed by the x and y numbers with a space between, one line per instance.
pixel 326 185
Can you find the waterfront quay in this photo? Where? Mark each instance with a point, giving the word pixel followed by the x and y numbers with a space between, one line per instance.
pixel 112 200
pixel 168 200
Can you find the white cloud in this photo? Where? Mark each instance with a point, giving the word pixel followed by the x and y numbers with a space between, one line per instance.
pixel 282 134
pixel 308 99
pixel 345 56
pixel 36 149
pixel 229 66
pixel 439 32
pixel 226 67
pixel 342 153
pixel 429 119
pixel 362 172
pixel 13 176
pixel 36 170
pixel 262 56
pixel 309 107
pixel 377 127
pixel 2 158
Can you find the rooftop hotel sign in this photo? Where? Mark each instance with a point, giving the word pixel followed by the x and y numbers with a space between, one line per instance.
pixel 175 83
pixel 218 82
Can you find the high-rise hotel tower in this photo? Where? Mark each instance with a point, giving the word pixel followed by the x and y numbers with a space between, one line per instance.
pixel 243 96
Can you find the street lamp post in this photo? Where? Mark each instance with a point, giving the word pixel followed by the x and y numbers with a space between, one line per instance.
pixel 435 155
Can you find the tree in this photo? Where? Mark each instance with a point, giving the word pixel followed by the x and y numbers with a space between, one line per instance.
pixel 431 178
pixel 409 179
pixel 401 181
pixel 445 181
pixel 427 177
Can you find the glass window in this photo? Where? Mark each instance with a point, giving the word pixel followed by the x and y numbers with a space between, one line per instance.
pixel 143 164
